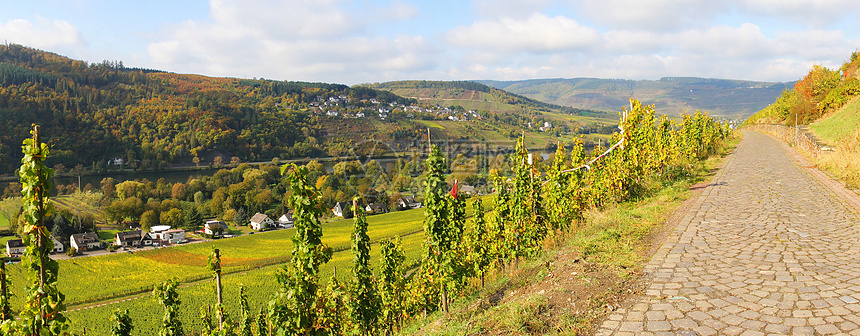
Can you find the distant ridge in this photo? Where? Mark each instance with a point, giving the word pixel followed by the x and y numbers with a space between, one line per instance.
pixel 671 95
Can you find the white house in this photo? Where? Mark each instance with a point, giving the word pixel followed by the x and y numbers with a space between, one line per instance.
pixel 468 190
pixel 261 221
pixel 408 202
pixel 214 227
pixel 286 221
pixel 15 247
pixel 85 241
pixel 376 208
pixel 342 209
pixel 58 246
pixel 134 238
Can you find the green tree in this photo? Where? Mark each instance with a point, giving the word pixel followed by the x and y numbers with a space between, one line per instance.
pixel 193 219
pixel 10 207
pixel 166 295
pixel 364 306
pixel 148 219
pixel 241 217
pixel 293 310
pixel 261 325
pixel 121 323
pixel 335 316
pixel 173 217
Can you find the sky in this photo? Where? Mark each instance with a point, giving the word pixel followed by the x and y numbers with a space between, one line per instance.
pixel 366 41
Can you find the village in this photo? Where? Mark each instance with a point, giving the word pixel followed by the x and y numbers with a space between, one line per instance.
pixel 90 244
pixel 339 106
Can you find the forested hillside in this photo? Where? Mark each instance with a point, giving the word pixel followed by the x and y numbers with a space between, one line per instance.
pixel 671 95
pixel 419 88
pixel 104 116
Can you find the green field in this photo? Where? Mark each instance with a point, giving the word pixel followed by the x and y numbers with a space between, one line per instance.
pixel 259 284
pixel 84 279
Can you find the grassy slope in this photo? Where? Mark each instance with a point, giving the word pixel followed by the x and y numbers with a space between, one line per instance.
pixel 841 129
pixel 838 126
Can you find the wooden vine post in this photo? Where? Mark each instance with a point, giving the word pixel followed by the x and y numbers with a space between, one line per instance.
pixel 215 266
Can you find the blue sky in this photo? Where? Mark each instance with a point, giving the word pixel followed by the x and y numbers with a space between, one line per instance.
pixel 361 41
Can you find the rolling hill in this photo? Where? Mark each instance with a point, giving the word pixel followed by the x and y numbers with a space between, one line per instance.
pixel 104 116
pixel 671 95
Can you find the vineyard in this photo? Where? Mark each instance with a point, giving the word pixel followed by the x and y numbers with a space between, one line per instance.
pixel 424 272
pixel 82 279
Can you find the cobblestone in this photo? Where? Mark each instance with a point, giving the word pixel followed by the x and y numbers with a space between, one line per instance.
pixel 768 248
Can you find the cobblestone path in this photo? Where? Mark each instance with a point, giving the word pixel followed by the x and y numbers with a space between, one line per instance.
pixel 766 249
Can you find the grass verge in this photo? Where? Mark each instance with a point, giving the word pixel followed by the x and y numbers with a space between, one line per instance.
pixel 842 130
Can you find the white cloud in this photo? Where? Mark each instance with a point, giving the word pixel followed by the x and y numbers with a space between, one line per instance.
pixel 296 18
pixel 397 11
pixel 517 9
pixel 341 41
pixel 47 34
pixel 660 15
pixel 538 33
pixel 294 40
pixel 812 12
pixel 746 41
